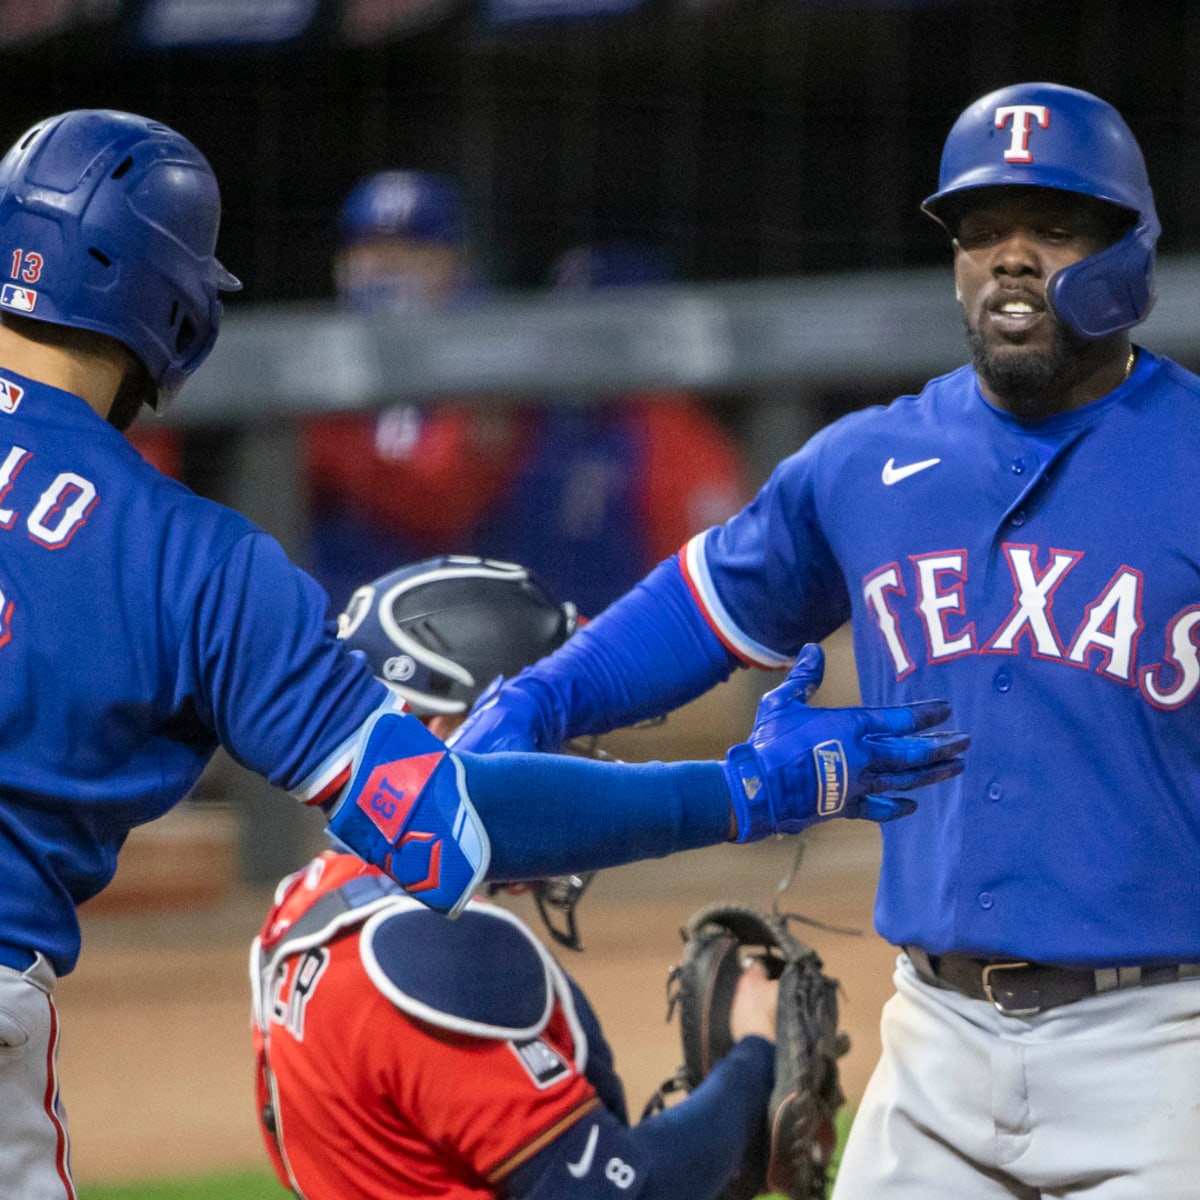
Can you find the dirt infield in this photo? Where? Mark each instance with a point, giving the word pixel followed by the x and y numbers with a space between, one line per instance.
pixel 156 1048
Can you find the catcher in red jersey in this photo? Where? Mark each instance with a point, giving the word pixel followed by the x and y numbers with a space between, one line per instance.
pixel 401 1054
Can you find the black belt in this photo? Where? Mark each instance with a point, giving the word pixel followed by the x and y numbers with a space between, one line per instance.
pixel 1023 988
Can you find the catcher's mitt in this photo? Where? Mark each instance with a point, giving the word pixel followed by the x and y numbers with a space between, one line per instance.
pixel 791 1153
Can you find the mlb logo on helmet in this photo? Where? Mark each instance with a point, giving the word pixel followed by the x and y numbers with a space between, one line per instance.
pixel 10 396
pixel 14 296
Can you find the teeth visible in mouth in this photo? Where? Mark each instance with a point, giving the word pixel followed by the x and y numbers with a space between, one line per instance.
pixel 1016 306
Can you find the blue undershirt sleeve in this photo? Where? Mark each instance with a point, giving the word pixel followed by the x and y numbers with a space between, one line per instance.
pixel 646 654
pixel 550 814
pixel 711 1128
pixel 691 1149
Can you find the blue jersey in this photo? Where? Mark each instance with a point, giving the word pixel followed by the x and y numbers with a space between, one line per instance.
pixel 1045 579
pixel 140 625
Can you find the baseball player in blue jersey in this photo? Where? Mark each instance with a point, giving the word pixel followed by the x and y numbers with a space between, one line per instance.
pixel 141 626
pixel 1021 538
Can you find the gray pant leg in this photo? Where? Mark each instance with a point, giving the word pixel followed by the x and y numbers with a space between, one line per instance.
pixel 34 1148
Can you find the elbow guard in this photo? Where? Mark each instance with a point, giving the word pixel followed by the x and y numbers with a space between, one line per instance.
pixel 406 810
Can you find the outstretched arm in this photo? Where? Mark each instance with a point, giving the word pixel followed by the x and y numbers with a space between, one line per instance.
pixel 433 819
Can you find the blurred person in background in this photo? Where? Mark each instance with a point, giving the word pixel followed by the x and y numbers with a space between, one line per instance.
pixel 409 480
pixel 401 1054
pixel 610 486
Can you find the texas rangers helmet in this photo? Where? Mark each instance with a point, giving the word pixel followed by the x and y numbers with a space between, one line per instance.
pixel 439 631
pixel 108 222
pixel 1047 135
pixel 421 205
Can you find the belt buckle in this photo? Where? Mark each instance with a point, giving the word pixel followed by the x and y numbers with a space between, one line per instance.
pixel 988 991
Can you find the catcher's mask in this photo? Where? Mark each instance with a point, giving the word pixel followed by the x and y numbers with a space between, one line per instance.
pixel 1050 136
pixel 438 632
pixel 556 899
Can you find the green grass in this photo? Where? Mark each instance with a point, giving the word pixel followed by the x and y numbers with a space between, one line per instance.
pixel 262 1185
pixel 245 1185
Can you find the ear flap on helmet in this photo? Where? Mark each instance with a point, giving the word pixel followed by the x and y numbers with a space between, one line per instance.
pixel 1107 292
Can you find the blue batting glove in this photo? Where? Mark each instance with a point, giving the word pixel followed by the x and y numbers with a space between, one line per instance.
pixel 510 714
pixel 803 765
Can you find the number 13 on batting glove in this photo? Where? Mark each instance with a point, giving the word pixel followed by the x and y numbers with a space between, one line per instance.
pixel 803 765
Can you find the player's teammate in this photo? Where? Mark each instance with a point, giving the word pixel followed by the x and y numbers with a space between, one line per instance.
pixel 140 626
pixel 389 486
pixel 401 1054
pixel 1021 537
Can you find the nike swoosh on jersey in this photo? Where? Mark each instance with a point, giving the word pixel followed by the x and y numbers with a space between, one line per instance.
pixel 893 474
pixel 584 1165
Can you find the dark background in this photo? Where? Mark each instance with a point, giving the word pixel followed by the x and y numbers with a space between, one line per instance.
pixel 758 139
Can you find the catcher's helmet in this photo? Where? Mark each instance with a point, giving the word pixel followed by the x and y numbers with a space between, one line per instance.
pixel 420 205
pixel 1047 135
pixel 439 631
pixel 108 222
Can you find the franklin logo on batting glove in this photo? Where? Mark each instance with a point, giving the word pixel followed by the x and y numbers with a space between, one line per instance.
pixel 831 778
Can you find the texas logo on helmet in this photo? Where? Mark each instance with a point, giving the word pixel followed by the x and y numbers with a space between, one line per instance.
pixel 1022 117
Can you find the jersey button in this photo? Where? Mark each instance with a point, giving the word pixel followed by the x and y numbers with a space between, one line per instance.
pixel 995 791
pixel 1002 682
pixel 1018 518
pixel 986 900
pixel 1018 466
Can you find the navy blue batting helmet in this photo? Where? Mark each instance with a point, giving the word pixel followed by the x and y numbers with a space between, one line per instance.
pixel 421 205
pixel 108 222
pixel 440 630
pixel 1047 135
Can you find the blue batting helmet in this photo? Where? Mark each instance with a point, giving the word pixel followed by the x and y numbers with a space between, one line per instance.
pixel 440 630
pixel 108 222
pixel 421 205
pixel 1047 135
